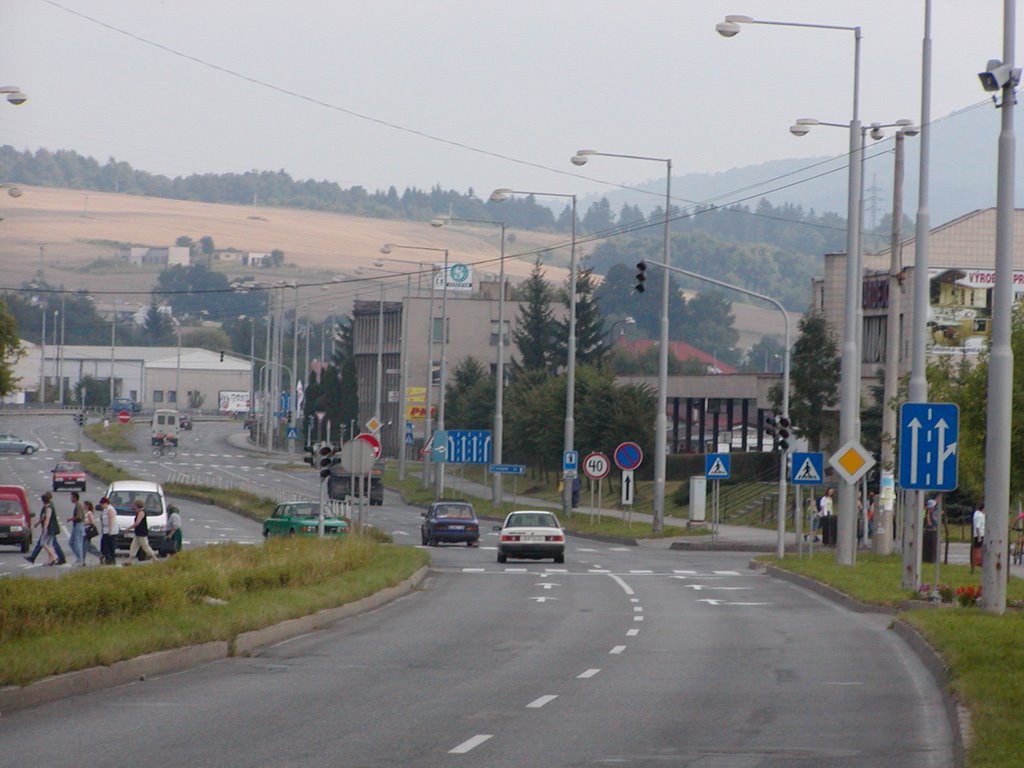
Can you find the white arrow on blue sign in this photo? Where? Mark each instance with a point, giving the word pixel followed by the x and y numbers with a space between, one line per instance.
pixel 469 446
pixel 508 469
pixel 717 466
pixel 929 434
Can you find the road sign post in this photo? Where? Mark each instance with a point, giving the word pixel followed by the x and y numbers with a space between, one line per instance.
pixel 596 466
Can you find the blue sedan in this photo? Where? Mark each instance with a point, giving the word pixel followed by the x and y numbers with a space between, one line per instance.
pixel 453 522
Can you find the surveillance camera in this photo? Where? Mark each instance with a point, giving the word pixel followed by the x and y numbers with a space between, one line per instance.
pixel 997 75
pixel 17 98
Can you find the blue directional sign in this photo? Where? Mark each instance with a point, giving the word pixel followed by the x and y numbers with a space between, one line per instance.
pixel 807 468
pixel 717 466
pixel 438 445
pixel 929 434
pixel 469 446
pixel 507 469
pixel 408 433
pixel 570 461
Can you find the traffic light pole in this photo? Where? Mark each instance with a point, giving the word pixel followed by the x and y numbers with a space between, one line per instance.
pixel 780 548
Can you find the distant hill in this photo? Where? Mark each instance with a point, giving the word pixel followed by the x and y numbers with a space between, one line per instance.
pixel 963 176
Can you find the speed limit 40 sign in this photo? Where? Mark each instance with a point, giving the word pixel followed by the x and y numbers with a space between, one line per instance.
pixel 596 466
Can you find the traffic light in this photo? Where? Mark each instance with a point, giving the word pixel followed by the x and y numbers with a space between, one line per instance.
pixel 308 458
pixel 79 418
pixel 222 355
pixel 327 460
pixel 771 429
pixel 641 276
pixel 783 433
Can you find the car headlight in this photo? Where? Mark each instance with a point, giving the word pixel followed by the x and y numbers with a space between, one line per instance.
pixel 156 528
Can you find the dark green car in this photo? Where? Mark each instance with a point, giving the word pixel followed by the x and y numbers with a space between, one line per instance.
pixel 300 518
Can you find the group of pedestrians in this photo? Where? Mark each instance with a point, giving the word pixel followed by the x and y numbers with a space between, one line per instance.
pixel 87 522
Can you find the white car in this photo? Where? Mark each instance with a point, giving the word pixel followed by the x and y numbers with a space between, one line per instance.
pixel 122 494
pixel 531 535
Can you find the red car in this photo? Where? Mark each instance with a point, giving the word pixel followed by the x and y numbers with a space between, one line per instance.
pixel 68 474
pixel 15 517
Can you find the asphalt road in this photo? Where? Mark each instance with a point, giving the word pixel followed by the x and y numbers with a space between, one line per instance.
pixel 622 656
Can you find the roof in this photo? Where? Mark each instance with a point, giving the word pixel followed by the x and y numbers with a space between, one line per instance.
pixel 679 349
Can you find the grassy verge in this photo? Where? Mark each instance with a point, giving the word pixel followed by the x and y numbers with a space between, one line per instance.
pixel 609 526
pixel 116 437
pixel 983 651
pixel 50 626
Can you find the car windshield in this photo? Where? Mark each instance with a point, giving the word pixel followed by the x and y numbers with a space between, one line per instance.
pixel 124 502
pixel 532 520
pixel 302 510
pixel 67 468
pixel 456 511
pixel 9 507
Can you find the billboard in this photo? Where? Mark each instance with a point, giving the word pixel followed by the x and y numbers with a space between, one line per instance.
pixel 960 308
pixel 233 401
pixel 460 277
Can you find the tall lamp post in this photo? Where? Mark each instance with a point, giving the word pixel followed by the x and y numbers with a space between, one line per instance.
pixel 387 248
pixel 498 196
pixel 660 419
pixel 499 377
pixel 849 383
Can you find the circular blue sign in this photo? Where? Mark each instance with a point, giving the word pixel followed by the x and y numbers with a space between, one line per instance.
pixel 628 456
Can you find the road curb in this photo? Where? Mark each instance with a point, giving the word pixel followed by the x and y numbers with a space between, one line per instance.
pixel 81 681
pixel 958 715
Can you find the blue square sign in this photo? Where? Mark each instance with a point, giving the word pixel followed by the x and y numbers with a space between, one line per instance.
pixel 929 436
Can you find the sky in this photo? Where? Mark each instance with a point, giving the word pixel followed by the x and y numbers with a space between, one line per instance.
pixel 471 94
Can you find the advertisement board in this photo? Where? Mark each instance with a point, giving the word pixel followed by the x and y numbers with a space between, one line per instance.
pixel 460 277
pixel 233 401
pixel 960 308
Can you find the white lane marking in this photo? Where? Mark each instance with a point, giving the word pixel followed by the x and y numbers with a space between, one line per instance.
pixel 474 570
pixel 618 580
pixel 638 609
pixel 516 570
pixel 589 673
pixel 632 632
pixel 634 599
pixel 546 584
pixel 538 703
pixel 556 570
pixel 585 549
pixel 699 587
pixel 598 570
pixel 726 573
pixel 543 599
pixel 638 618
pixel 641 572
pixel 617 649
pixel 400 533
pixel 687 573
pixel 469 744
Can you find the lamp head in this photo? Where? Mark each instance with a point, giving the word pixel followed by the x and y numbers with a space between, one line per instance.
pixel 909 130
pixel 731 26
pixel 14 95
pixel 799 130
pixel 581 156
pixel 500 195
pixel 877 132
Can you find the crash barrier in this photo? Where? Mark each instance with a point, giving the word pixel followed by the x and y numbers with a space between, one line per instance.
pixel 275 493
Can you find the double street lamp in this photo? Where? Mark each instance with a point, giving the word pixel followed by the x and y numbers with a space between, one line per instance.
pixel 497 196
pixel 499 381
pixel 849 384
pixel 660 419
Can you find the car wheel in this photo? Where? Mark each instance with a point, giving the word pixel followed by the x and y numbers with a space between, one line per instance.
pixel 266 533
pixel 470 543
pixel 55 489
pixel 291 532
pixel 502 557
pixel 26 545
pixel 29 450
pixel 559 558
pixel 423 538
pixel 83 487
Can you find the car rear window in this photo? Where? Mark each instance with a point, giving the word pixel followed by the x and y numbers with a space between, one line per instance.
pixel 532 521
pixel 459 512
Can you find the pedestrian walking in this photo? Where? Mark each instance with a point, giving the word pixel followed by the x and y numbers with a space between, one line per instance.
pixel 43 522
pixel 77 521
pixel 825 513
pixel 978 535
pixel 174 529
pixel 108 531
pixel 51 527
pixel 140 531
pixel 92 530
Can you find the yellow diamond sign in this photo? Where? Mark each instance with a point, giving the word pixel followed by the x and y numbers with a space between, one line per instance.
pixel 852 461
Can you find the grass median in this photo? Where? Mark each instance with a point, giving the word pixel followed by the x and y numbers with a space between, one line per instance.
pixel 984 652
pixel 101 616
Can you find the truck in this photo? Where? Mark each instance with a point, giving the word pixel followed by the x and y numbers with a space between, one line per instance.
pixel 340 485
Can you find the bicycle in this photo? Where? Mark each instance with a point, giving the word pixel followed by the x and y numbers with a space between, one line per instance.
pixel 165 448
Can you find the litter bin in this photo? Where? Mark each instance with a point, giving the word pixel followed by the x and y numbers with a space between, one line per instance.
pixel 829 528
pixel 928 545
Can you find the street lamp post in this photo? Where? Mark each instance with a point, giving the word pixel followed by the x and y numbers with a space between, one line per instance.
pixel 781 523
pixel 660 419
pixel 499 379
pixel 498 196
pixel 849 378
pixel 387 248
pixel 14 94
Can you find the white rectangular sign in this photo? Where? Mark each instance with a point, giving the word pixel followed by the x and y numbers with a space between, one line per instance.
pixel 460 277
pixel 628 487
pixel 233 402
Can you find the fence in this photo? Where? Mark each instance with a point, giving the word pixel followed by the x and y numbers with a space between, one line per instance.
pixel 275 493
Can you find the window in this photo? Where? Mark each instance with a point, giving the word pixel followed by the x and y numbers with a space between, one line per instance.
pixel 172 396
pixel 158 395
pixel 494 332
pixel 874 340
pixel 436 330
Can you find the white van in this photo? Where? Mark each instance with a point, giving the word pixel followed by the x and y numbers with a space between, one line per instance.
pixel 122 495
pixel 165 427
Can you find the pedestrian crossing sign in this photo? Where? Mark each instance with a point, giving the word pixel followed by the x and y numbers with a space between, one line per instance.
pixel 717 466
pixel 807 469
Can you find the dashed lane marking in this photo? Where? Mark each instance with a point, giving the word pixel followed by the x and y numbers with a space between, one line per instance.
pixel 617 650
pixel 540 702
pixel 587 674
pixel 470 744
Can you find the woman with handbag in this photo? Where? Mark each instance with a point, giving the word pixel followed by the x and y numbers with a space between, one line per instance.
pixel 91 532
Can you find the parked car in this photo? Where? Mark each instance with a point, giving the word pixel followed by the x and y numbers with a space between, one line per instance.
pixel 450 521
pixel 185 421
pixel 68 474
pixel 14 444
pixel 531 535
pixel 15 517
pixel 122 494
pixel 125 404
pixel 294 518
